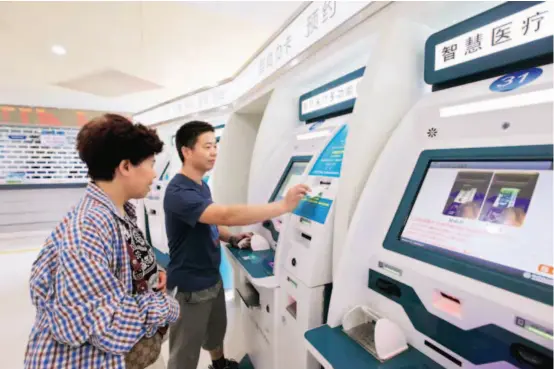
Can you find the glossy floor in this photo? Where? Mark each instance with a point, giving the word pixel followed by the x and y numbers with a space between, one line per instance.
pixel 17 253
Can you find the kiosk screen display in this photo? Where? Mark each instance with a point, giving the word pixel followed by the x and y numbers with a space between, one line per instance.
pixel 494 214
pixel 293 177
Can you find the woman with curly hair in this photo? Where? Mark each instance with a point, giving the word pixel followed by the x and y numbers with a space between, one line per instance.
pixel 98 291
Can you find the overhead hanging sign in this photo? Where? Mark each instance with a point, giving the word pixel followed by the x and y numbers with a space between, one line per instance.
pixel 315 22
pixel 510 33
pixel 336 96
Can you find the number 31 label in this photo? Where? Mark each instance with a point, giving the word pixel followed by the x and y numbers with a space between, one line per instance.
pixel 515 80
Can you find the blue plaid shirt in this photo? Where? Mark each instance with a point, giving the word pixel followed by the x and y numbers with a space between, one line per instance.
pixel 81 286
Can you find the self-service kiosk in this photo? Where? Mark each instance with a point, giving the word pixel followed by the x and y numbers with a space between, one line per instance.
pixel 258 271
pixel 312 156
pixel 306 270
pixel 451 243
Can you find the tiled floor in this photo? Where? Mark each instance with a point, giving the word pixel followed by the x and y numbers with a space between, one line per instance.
pixel 17 253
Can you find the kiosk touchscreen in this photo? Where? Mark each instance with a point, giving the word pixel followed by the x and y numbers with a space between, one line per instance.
pixel 292 176
pixel 488 214
pixel 452 237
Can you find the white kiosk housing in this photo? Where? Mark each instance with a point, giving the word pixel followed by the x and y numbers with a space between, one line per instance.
pixel 280 144
pixel 451 239
pixel 305 244
pixel 257 271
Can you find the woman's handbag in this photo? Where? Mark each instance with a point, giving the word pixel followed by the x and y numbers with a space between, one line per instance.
pixel 147 350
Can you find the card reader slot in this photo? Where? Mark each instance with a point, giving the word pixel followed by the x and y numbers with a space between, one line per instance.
pixel 249 296
pixel 388 288
pixel 306 236
pixel 443 353
pixel 453 299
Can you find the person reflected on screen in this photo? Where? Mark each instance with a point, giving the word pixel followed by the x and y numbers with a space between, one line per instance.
pixel 513 216
pixel 95 284
pixel 469 210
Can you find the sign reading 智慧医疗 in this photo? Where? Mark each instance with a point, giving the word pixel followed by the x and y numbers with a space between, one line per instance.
pixel 511 33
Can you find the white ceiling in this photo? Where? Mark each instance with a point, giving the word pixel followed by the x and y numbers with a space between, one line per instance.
pixel 163 49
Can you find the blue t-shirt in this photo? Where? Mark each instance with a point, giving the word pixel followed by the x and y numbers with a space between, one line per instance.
pixel 194 247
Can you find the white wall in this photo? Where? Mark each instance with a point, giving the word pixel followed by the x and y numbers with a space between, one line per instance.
pixel 26 210
pixel 233 163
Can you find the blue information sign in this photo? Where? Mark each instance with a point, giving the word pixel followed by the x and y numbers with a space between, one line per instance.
pixel 314 208
pixel 329 163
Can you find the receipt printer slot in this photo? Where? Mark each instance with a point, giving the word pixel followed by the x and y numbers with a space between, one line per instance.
pixel 303 237
pixel 305 222
pixel 325 184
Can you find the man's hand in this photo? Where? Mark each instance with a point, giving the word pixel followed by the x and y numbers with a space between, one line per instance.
pixel 162 281
pixel 235 239
pixel 294 195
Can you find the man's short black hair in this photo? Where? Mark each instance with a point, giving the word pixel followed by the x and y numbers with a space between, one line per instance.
pixel 104 142
pixel 188 134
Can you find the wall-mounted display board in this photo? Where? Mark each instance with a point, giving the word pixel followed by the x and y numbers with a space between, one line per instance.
pixel 40 156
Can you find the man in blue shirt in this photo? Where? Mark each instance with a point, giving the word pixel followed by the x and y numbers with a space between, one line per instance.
pixel 195 226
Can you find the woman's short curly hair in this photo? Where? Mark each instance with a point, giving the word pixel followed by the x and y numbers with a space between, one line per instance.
pixel 109 139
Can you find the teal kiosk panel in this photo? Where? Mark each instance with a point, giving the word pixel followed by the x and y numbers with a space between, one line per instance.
pixel 259 264
pixel 491 193
pixel 344 353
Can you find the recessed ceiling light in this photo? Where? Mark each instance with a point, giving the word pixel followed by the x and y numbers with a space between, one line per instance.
pixel 59 50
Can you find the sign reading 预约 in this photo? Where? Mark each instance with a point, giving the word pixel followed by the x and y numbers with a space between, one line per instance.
pixel 520 28
pixel 316 21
